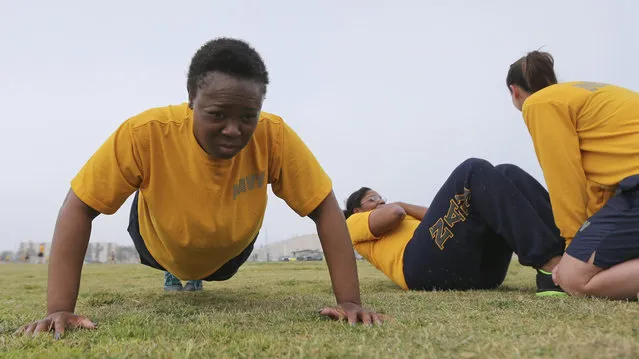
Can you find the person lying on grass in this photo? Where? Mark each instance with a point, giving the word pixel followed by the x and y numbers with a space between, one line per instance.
pixel 586 138
pixel 199 171
pixel 466 238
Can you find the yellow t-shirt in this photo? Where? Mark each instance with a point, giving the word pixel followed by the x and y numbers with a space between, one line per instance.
pixel 586 137
pixel 196 212
pixel 385 253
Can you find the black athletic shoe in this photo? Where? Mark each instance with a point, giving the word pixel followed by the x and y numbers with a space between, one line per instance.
pixel 546 287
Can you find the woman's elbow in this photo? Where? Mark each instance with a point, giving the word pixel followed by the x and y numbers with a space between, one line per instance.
pixel 398 212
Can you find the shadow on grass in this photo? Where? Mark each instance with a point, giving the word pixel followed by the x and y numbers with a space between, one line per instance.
pixel 509 289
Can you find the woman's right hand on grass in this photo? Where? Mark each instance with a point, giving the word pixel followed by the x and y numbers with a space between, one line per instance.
pixel 57 322
pixel 69 246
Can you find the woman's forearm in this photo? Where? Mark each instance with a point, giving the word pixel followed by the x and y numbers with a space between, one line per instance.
pixel 70 241
pixel 338 249
pixel 413 210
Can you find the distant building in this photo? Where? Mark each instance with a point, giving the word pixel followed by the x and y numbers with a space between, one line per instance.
pixel 99 252
pixel 96 253
pixel 127 255
pixel 305 247
pixel 284 249
pixel 111 253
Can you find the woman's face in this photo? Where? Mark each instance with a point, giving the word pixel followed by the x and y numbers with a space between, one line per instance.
pixel 370 201
pixel 226 111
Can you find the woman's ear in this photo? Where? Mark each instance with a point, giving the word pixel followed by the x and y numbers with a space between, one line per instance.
pixel 357 210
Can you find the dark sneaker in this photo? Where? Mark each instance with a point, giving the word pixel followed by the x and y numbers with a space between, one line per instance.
pixel 193 285
pixel 546 287
pixel 171 283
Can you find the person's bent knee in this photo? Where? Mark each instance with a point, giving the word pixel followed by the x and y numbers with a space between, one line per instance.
pixel 573 279
pixel 476 163
pixel 569 283
pixel 507 168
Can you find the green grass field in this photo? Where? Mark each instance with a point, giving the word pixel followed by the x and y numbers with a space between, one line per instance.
pixel 270 310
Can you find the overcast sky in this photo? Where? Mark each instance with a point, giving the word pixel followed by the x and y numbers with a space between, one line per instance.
pixel 391 95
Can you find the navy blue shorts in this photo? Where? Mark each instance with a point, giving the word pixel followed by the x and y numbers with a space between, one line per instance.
pixel 228 270
pixel 613 232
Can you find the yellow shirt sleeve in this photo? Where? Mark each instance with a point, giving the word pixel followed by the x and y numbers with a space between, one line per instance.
pixel 112 174
pixel 557 147
pixel 296 176
pixel 359 228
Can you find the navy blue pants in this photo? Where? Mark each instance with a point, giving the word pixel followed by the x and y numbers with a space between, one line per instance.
pixel 479 217
pixel 228 270
pixel 613 232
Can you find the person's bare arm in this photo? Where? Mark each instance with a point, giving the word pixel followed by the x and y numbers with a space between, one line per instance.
pixel 413 210
pixel 70 241
pixel 340 259
pixel 385 218
pixel 69 246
